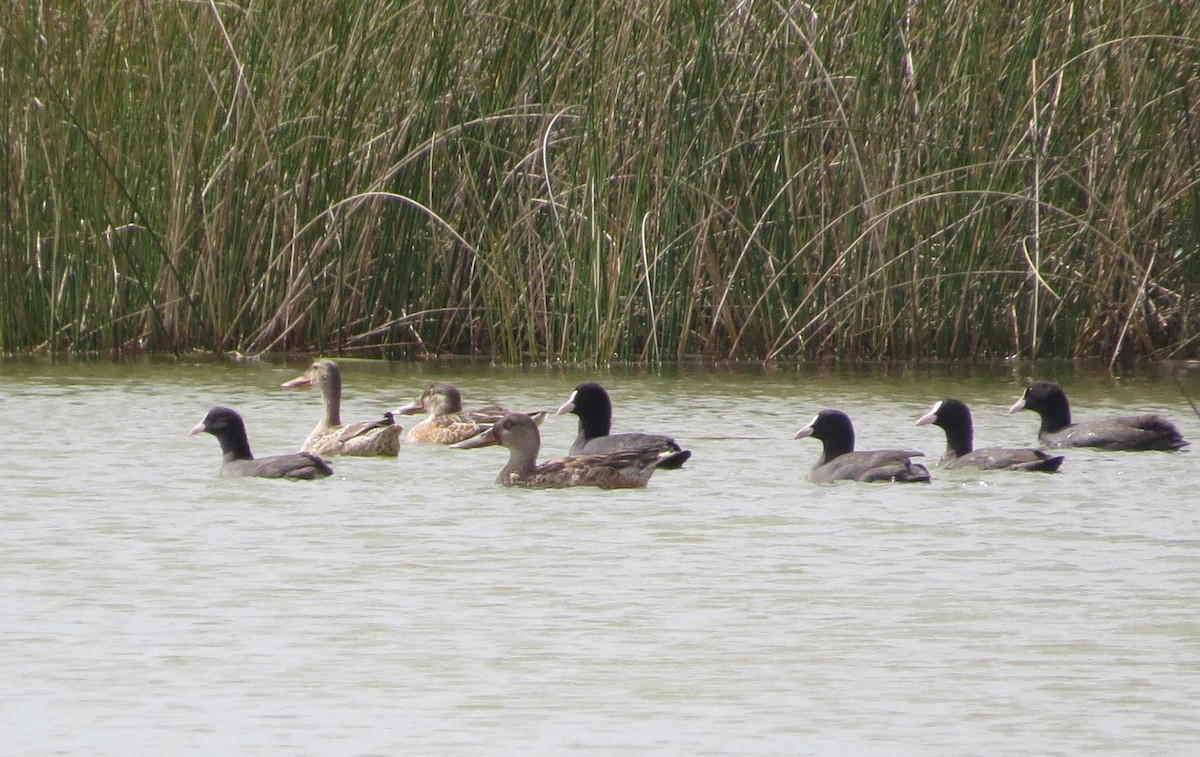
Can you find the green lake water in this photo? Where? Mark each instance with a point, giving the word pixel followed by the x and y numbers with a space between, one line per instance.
pixel 731 608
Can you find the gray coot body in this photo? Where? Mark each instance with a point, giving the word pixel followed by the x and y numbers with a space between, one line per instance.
pixel 1147 431
pixel 230 430
pixel 626 469
pixel 954 418
pixel 591 403
pixel 839 461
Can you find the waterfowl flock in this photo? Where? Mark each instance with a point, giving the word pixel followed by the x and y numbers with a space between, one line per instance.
pixel 627 460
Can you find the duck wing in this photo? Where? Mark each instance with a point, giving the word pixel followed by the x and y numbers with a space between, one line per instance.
pixel 486 416
pixel 450 428
pixel 629 469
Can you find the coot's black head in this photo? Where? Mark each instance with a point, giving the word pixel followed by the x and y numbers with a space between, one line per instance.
pixel 230 430
pixel 220 420
pixel 953 417
pixel 1048 400
pixel 591 403
pixel 949 413
pixel 834 429
pixel 589 397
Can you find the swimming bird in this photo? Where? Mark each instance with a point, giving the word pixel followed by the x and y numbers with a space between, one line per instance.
pixel 954 418
pixel 1148 431
pixel 378 438
pixel 592 404
pixel 230 430
pixel 447 422
pixel 626 469
pixel 840 461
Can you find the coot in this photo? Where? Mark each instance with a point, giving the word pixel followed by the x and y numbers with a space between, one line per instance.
pixel 225 424
pixel 953 417
pixel 1147 431
pixel 591 403
pixel 839 461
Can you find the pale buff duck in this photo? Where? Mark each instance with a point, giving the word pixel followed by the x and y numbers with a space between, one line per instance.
pixel 380 438
pixel 627 469
pixel 230 430
pixel 447 422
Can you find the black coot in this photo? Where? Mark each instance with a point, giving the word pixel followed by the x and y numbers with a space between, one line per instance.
pixel 225 424
pixel 840 461
pixel 953 417
pixel 1128 432
pixel 591 403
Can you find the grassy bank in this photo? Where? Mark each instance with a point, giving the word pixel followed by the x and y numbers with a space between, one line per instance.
pixel 577 181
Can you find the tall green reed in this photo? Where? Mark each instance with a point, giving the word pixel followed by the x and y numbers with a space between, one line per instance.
pixel 596 181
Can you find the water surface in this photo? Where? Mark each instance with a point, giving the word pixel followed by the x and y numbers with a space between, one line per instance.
pixel 732 608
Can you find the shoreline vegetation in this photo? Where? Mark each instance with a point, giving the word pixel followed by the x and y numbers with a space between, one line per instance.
pixel 587 182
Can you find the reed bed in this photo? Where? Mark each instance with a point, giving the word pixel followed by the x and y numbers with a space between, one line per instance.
pixel 584 182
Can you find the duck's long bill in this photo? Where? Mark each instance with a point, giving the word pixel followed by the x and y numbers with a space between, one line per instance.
pixel 806 431
pixel 413 408
pixel 1018 405
pixel 299 381
pixel 568 406
pixel 485 439
pixel 199 428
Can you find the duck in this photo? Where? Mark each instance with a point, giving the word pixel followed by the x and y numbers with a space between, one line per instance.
pixel 229 428
pixel 954 418
pixel 1148 431
pixel 839 461
pixel 590 401
pixel 624 469
pixel 378 438
pixel 447 422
